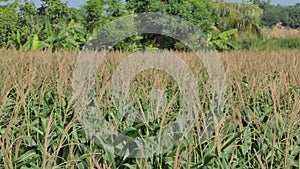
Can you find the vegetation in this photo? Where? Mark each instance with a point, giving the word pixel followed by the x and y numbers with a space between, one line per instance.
pixel 26 26
pixel 270 44
pixel 287 15
pixel 259 127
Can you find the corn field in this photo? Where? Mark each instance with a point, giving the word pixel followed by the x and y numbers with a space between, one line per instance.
pixel 259 127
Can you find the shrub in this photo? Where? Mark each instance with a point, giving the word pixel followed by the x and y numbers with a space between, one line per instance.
pixel 270 44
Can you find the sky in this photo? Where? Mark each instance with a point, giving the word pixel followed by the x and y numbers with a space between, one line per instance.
pixel 76 3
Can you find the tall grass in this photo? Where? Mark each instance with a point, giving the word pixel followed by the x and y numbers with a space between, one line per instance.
pixel 271 44
pixel 259 127
pixel 279 31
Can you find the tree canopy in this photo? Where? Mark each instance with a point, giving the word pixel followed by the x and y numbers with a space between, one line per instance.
pixel 55 25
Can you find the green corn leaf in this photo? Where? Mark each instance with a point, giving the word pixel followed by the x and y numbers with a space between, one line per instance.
pixel 129 130
pixel 130 166
pixel 26 156
pixel 208 158
pixel 233 139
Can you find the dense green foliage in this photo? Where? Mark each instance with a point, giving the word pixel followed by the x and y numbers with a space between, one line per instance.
pixel 30 27
pixel 26 26
pixel 8 23
pixel 49 26
pixel 55 11
pixel 263 4
pixel 270 44
pixel 287 15
pixel 244 17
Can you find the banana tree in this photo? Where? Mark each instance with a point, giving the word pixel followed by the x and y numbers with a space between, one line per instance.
pixel 243 16
pixel 69 37
pixel 221 41
pixel 34 43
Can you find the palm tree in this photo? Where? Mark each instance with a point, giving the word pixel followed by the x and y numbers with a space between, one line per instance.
pixel 243 16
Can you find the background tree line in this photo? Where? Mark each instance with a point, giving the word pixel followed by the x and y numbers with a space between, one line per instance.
pixel 55 25
pixel 288 15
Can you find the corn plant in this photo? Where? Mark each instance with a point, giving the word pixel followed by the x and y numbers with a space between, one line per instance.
pixel 258 128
